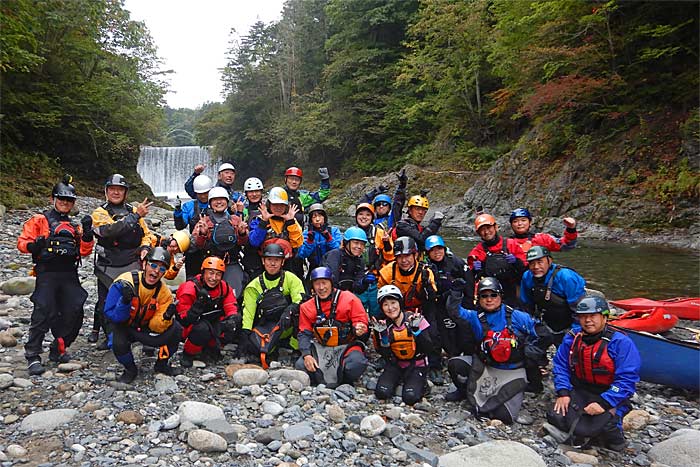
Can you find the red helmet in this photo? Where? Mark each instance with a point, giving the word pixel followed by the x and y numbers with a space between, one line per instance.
pixel 294 171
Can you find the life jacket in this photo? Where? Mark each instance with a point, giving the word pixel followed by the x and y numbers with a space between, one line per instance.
pixel 224 236
pixel 495 264
pixel 501 347
pixel 590 364
pixel 553 308
pixel 349 266
pixel 412 300
pixel 524 241
pixel 128 240
pixel 444 273
pixel 140 314
pixel 272 302
pixel 327 330
pixel 402 343
pixel 394 234
pixel 63 241
pixel 215 306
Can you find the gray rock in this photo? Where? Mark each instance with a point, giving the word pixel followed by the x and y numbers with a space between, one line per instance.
pixel 272 408
pixel 15 451
pixel 47 419
pixel 4 324
pixel 206 441
pixel 493 453
pixel 421 455
pixel 288 376
pixel 198 413
pixel 679 450
pixel 268 435
pixel 299 431
pixel 274 445
pixel 372 425
pixel 22 383
pixel 5 380
pixel 222 428
pixel 69 367
pixel 335 413
pixel 249 376
pixel 171 422
pixel 18 286
pixel 165 384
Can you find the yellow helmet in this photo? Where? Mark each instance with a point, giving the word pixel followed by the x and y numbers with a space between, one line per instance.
pixel 183 240
pixel 419 201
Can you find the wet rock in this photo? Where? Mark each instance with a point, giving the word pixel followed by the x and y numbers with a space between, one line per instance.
pixel 679 450
pixel 7 339
pixel 299 431
pixel 493 453
pixel 18 286
pixel 635 420
pixel 249 376
pixel 47 419
pixel 372 425
pixel 581 458
pixel 198 413
pixel 206 441
pixel 130 416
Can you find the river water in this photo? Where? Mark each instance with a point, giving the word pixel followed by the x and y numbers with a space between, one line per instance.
pixel 618 270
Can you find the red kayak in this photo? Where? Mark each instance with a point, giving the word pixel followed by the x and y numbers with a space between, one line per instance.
pixel 655 320
pixel 683 307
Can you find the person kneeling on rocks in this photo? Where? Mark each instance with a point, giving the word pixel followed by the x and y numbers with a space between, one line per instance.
pixel 595 375
pixel 332 327
pixel 493 380
pixel 403 342
pixel 56 244
pixel 207 308
pixel 140 309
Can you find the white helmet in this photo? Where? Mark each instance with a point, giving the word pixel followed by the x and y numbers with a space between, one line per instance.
pixel 218 192
pixel 202 184
pixel 278 195
pixel 252 184
pixel 389 291
pixel 226 166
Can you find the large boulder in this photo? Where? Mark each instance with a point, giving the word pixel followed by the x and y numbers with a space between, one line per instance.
pixel 47 420
pixel 250 376
pixel 679 450
pixel 18 286
pixel 493 453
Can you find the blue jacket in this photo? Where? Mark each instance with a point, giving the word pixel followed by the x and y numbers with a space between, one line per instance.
pixel 627 363
pixel 523 324
pixel 188 212
pixel 567 283
pixel 320 246
pixel 235 196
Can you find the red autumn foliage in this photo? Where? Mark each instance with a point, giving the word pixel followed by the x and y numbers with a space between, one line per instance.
pixel 564 93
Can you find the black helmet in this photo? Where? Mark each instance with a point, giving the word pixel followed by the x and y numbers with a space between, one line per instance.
pixel 159 254
pixel 405 246
pixel 537 252
pixel 64 189
pixel 490 283
pixel 117 180
pixel 273 250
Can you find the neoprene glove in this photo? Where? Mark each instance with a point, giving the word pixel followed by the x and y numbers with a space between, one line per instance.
pixel 476 265
pixel 438 216
pixel 193 313
pixel 86 223
pixel 510 258
pixel 424 192
pixel 37 245
pixel 459 285
pixel 403 179
pixel 327 235
pixel 310 236
pixel 170 312
pixel 369 279
pixel 323 173
pixel 178 203
pixel 127 292
pixel 382 188
pixel 229 325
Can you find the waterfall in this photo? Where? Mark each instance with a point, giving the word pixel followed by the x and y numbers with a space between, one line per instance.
pixel 166 169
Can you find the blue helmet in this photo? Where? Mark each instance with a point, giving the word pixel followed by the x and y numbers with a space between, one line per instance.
pixel 433 241
pixel 382 199
pixel 355 233
pixel 591 305
pixel 321 272
pixel 520 212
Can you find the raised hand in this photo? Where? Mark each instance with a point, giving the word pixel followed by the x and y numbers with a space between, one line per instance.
pixel 142 209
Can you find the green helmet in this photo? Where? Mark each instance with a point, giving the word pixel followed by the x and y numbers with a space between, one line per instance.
pixel 537 252
pixel 591 305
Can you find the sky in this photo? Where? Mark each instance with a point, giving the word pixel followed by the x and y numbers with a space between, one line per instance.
pixel 192 38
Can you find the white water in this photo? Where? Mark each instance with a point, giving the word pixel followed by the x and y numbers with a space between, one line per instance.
pixel 166 169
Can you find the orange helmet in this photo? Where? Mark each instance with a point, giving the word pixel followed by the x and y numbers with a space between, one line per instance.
pixel 214 262
pixel 367 206
pixel 293 171
pixel 484 219
pixel 419 201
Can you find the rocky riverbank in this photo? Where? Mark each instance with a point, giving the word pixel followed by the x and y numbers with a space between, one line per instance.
pixel 232 414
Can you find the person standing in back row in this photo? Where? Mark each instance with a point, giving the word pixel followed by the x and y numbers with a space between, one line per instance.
pixel 56 243
pixel 226 178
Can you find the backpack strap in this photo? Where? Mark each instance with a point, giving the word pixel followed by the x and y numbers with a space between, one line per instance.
pixel 548 293
pixel 414 283
pixel 607 336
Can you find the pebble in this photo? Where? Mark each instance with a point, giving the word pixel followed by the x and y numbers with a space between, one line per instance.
pixel 7 339
pixel 272 408
pixel 298 431
pixel 206 441
pixel 5 380
pixel 22 383
pixel 581 458
pixel 372 425
pixel 70 366
pixel 130 416
pixel 249 376
pixel 171 422
pixel 15 450
pixel 335 413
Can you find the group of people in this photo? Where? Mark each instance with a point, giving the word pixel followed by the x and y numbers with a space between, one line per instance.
pixel 267 270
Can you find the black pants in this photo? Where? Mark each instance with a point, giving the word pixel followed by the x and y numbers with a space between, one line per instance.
pixel 414 382
pixel 203 333
pixel 124 335
pixel 58 306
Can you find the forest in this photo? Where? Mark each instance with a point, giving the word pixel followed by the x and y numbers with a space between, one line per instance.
pixel 365 87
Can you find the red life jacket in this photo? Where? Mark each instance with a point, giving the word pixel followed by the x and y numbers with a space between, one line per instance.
pixel 503 346
pixel 591 365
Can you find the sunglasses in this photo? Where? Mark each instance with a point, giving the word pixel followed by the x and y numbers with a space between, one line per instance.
pixel 488 295
pixel 380 204
pixel 158 266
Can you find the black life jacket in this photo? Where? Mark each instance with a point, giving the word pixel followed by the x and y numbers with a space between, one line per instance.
pixel 295 200
pixel 495 264
pixel 271 302
pixel 214 309
pixel 445 272
pixel 349 267
pixel 590 364
pixel 501 347
pixel 141 311
pixel 63 242
pixel 553 308
pixel 329 331
pixel 224 236
pixel 128 240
